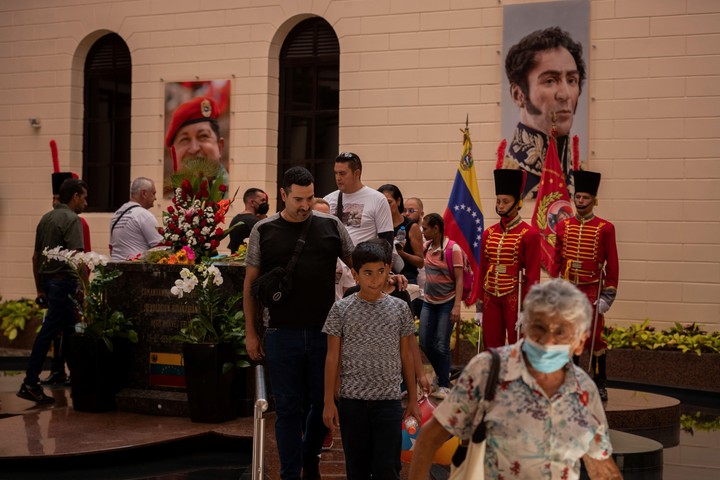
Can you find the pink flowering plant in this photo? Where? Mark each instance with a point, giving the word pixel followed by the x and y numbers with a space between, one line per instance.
pixel 198 209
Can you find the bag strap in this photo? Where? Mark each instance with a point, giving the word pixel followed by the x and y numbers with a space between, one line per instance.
pixel 299 246
pixel 489 395
pixel 448 258
pixel 339 207
pixel 122 215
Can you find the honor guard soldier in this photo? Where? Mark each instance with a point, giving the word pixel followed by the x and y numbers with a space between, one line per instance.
pixel 510 261
pixel 586 255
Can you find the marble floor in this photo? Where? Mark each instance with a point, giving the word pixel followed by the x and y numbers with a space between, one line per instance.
pixel 55 441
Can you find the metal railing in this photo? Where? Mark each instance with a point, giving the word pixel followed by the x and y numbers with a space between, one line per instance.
pixel 261 405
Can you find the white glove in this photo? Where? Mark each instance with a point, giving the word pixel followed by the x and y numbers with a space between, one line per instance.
pixel 602 306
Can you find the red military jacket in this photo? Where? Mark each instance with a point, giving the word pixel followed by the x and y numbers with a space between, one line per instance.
pixel 584 246
pixel 505 251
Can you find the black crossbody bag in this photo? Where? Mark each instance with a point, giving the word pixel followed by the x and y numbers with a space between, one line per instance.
pixel 273 287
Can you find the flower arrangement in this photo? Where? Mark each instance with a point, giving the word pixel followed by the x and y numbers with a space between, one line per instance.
pixel 197 211
pixel 220 317
pixel 94 315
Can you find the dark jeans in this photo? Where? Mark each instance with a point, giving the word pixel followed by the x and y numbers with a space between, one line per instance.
pixel 435 331
pixel 371 433
pixel 58 361
pixel 296 363
pixel 60 317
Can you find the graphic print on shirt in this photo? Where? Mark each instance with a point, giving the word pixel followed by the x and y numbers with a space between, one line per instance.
pixel 352 214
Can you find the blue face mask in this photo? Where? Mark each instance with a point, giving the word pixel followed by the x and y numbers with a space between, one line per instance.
pixel 546 358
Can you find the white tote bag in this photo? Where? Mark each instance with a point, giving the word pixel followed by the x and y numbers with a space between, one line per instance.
pixel 474 465
pixel 468 463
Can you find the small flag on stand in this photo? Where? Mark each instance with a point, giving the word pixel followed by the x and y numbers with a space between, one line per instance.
pixel 553 203
pixel 464 221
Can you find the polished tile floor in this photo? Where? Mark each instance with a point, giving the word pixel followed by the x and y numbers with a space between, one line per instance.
pixel 56 442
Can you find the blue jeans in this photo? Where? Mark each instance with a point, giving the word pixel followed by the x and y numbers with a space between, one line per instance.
pixel 296 363
pixel 371 433
pixel 435 331
pixel 60 317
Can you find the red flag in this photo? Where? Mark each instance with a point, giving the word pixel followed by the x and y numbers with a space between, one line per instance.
pixel 552 205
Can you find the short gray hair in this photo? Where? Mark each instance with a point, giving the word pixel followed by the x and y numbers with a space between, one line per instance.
pixel 140 183
pixel 560 298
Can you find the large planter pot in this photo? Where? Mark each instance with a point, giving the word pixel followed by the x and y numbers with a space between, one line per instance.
pixel 209 390
pixel 665 368
pixel 97 373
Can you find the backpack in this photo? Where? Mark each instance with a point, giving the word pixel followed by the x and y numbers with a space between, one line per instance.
pixel 468 275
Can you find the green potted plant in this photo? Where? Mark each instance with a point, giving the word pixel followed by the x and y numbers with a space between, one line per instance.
pixel 677 357
pixel 97 353
pixel 213 344
pixel 19 322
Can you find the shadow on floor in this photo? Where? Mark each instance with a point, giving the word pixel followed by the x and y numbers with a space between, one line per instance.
pixel 207 457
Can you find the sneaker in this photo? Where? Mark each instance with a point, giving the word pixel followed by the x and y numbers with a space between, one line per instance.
pixel 34 393
pixel 602 388
pixel 441 393
pixel 603 394
pixel 55 378
pixel 328 442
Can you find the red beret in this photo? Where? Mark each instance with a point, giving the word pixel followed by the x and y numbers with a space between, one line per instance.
pixel 199 109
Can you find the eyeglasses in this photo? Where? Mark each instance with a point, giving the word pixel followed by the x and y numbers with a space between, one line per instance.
pixel 410 210
pixel 561 332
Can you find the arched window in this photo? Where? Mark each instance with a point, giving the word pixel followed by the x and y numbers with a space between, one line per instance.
pixel 309 99
pixel 106 124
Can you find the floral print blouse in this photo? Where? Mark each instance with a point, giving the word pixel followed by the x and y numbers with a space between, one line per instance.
pixel 528 434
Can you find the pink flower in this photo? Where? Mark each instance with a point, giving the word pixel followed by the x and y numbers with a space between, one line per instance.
pixel 189 252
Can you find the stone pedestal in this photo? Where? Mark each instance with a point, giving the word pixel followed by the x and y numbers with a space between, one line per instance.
pixel 156 382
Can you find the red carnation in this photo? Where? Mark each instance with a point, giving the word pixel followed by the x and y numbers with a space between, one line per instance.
pixel 161 231
pixel 171 209
pixel 223 188
pixel 214 244
pixel 219 231
pixel 197 232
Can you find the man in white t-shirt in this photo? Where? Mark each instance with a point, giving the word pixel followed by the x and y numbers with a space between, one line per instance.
pixel 343 275
pixel 364 211
pixel 133 229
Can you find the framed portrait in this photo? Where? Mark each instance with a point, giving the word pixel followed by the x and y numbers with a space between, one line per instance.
pixel 177 93
pixel 572 16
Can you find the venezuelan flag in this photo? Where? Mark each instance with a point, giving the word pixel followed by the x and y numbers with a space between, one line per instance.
pixel 464 220
pixel 167 369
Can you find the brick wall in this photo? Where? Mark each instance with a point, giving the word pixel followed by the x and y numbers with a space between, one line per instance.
pixel 411 71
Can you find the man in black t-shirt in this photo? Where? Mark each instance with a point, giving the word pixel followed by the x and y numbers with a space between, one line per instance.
pixel 295 346
pixel 256 203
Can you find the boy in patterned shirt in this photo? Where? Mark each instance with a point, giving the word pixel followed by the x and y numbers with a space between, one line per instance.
pixel 369 343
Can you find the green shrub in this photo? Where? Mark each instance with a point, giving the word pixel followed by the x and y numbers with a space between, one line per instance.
pixel 15 314
pixel 685 338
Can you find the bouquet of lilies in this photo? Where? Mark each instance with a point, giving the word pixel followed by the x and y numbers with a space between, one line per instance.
pixel 219 317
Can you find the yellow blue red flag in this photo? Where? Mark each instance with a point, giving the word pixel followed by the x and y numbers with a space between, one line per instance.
pixel 464 220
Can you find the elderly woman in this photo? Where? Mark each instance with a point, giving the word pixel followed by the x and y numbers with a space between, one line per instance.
pixel 547 412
